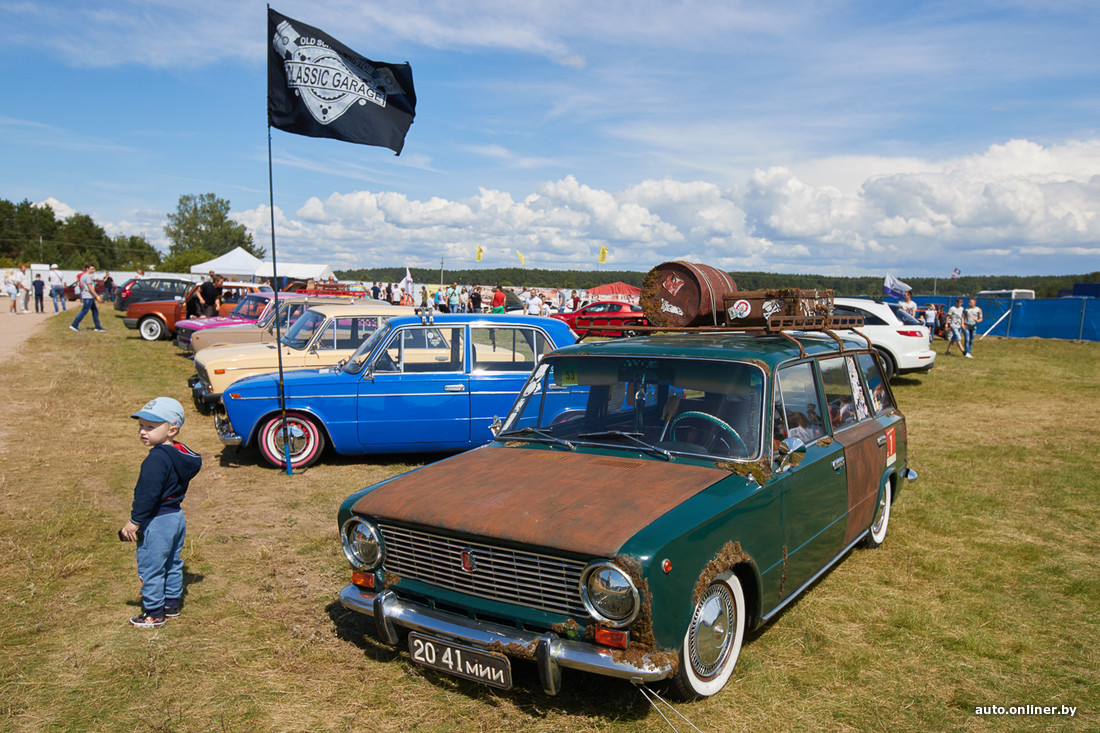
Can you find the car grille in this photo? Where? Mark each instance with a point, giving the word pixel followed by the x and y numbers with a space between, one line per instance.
pixel 183 335
pixel 201 371
pixel 531 579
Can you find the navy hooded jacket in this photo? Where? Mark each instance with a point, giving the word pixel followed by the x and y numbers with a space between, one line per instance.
pixel 165 474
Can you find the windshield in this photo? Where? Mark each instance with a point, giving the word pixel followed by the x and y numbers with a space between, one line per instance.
pixel 298 335
pixel 252 306
pixel 662 405
pixel 354 365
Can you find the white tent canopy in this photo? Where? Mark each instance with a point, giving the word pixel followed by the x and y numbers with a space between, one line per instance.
pixel 296 271
pixel 236 262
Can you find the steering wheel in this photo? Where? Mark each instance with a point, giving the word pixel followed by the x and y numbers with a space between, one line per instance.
pixel 725 427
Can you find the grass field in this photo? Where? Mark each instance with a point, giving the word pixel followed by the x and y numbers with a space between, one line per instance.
pixel 986 592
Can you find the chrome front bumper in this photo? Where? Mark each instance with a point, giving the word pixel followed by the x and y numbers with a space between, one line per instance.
pixel 225 431
pixel 549 651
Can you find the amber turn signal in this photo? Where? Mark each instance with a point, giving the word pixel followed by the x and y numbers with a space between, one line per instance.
pixel 612 637
pixel 365 580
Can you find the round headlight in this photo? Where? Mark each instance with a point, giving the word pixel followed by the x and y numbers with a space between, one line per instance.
pixel 362 544
pixel 609 594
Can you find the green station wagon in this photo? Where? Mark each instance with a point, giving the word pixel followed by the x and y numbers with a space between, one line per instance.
pixel 710 478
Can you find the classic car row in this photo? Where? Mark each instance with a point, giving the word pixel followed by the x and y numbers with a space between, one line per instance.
pixel 631 508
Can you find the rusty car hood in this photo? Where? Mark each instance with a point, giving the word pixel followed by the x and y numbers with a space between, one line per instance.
pixel 578 502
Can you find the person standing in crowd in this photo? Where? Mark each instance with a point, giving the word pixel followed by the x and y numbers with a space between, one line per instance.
pixel 534 304
pixel 972 316
pixel 375 291
pixel 108 286
pixel 908 305
pixel 210 295
pixel 437 300
pixel 930 322
pixel 12 291
pixel 955 325
pixel 39 294
pixel 464 300
pixel 23 282
pixel 498 301
pixel 453 298
pixel 86 284
pixel 475 301
pixel 561 300
pixel 576 301
pixel 57 288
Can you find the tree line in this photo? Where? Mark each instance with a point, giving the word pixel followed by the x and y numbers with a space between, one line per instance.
pixel 198 230
pixel 1045 286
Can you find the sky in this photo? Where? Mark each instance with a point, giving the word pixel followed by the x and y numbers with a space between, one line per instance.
pixel 846 138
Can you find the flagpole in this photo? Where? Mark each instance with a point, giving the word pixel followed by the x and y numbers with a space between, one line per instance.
pixel 275 283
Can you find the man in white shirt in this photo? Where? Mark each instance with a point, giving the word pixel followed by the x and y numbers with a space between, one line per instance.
pixel 908 305
pixel 955 326
pixel 23 284
pixel 534 304
pixel 56 285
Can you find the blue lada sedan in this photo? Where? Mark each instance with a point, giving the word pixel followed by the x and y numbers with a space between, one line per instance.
pixel 416 384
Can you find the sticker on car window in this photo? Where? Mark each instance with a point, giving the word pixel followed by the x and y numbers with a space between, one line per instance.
pixel 857 391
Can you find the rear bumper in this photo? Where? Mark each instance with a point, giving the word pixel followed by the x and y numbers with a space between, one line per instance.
pixel 130 322
pixel 550 652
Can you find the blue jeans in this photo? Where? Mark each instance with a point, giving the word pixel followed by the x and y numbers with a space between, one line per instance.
pixel 56 294
pixel 158 561
pixel 968 337
pixel 89 305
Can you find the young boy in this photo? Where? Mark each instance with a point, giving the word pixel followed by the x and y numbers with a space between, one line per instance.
pixel 156 519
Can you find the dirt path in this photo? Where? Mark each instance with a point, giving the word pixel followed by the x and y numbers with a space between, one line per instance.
pixel 15 329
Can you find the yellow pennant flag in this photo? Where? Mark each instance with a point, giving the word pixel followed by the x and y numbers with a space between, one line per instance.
pixel 603 254
pixel 521 260
pixel 480 252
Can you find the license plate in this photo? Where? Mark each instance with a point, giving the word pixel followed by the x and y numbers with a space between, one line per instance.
pixel 489 668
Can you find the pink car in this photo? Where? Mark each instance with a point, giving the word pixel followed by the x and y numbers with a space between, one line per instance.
pixel 247 311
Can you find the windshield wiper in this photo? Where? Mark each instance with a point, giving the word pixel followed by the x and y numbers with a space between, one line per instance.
pixel 632 436
pixel 541 434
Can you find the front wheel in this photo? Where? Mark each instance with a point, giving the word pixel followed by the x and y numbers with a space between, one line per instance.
pixel 305 437
pixel 882 518
pixel 713 640
pixel 151 328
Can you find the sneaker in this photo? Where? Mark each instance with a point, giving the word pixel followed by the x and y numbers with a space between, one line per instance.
pixel 171 611
pixel 75 328
pixel 969 356
pixel 147 621
pixel 101 330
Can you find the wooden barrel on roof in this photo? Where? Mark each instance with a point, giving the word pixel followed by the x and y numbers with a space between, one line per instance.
pixel 685 294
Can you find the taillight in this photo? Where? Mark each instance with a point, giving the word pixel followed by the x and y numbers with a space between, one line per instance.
pixel 913 334
pixel 126 290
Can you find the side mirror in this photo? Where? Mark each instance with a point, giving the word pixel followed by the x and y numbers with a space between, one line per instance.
pixel 791 452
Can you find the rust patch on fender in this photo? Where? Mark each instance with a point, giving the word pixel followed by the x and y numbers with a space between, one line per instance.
pixel 824 440
pixel 570 630
pixel 783 580
pixel 389 579
pixel 730 555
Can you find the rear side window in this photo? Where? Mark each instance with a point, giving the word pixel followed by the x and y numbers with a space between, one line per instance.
pixel 843 393
pixel 507 349
pixel 876 385
pixel 798 410
pixel 869 318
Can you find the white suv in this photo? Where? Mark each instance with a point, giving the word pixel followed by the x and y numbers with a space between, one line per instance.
pixel 904 347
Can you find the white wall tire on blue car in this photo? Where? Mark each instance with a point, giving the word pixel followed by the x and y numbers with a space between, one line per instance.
pixel 307 440
pixel 713 640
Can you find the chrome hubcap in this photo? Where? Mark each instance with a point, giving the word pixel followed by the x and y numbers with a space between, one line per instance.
pixel 712 630
pixel 298 438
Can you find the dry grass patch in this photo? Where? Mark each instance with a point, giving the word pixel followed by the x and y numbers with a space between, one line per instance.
pixel 985 593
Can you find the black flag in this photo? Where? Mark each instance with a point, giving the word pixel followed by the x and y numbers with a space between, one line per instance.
pixel 319 87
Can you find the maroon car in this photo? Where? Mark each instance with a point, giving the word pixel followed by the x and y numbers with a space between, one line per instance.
pixel 620 316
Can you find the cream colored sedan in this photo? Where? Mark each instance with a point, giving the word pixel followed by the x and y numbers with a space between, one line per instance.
pixel 322 336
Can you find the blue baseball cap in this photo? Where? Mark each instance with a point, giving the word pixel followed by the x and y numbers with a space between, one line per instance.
pixel 161 409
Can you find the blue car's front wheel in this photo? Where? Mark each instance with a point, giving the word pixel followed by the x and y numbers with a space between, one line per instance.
pixel 305 437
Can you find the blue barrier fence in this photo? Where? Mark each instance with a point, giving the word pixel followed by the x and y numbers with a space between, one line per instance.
pixel 1061 318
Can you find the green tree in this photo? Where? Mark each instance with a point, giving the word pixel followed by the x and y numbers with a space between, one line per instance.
pixel 202 223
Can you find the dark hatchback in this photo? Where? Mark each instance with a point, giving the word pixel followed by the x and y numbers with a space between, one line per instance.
pixel 142 289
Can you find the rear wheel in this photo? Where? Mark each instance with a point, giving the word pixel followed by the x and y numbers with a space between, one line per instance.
pixel 888 365
pixel 882 517
pixel 306 440
pixel 151 328
pixel 628 331
pixel 713 640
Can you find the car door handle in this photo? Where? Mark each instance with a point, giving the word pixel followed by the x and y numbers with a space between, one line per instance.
pixel 453 387
pixel 881 440
pixel 838 463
